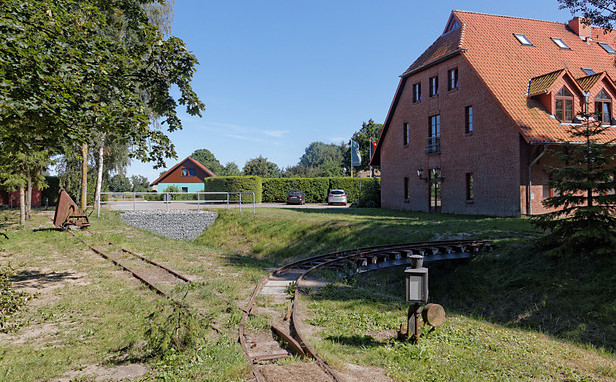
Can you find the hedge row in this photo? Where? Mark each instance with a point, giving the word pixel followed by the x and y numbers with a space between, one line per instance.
pixel 315 189
pixel 235 184
pixel 271 190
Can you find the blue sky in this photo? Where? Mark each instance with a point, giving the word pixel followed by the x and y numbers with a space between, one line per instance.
pixel 278 75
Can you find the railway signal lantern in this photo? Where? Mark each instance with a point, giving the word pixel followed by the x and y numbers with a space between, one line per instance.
pixel 417 294
pixel 416 281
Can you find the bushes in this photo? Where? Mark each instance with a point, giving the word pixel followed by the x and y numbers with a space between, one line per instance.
pixel 316 189
pixel 370 190
pixel 272 190
pixel 235 184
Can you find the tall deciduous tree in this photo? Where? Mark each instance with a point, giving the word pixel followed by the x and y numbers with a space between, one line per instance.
pixel 260 166
pixel 584 200
pixel 67 77
pixel 597 12
pixel 206 158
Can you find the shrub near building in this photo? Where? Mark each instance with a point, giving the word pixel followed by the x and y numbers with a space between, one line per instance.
pixel 235 184
pixel 316 189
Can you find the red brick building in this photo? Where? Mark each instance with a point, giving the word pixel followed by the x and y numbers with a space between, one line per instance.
pixel 478 111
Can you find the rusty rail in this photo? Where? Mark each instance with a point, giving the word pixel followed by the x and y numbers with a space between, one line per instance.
pixel 311 264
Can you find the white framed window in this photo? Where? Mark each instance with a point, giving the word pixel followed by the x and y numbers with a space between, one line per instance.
pixel 607 47
pixel 561 44
pixel 523 39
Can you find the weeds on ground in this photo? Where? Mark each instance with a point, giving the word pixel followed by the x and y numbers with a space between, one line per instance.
pixel 11 301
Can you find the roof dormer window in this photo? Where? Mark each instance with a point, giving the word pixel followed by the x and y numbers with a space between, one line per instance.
pixel 564 105
pixel 603 108
pixel 607 47
pixel 588 71
pixel 523 39
pixel 561 44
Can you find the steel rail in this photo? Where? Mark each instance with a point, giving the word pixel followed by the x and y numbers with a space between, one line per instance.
pixel 329 259
pixel 136 274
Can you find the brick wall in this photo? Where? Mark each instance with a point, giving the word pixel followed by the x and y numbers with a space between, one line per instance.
pixel 491 152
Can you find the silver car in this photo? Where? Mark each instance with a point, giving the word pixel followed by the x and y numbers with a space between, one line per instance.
pixel 337 196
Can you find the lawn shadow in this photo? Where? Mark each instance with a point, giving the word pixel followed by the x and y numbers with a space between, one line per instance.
pixel 40 280
pixel 364 341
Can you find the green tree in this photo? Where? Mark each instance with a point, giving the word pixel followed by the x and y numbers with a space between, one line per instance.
pixel 369 132
pixel 597 12
pixel 584 200
pixel 231 169
pixel 67 77
pixel 260 166
pixel 206 158
pixel 320 159
pixel 139 183
pixel 119 183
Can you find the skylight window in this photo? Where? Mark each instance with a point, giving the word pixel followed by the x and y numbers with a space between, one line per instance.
pixel 607 48
pixel 561 44
pixel 523 39
pixel 588 71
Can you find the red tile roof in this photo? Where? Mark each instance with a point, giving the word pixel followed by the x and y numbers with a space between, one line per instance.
pixel 515 72
pixel 444 47
pixel 506 66
pixel 189 159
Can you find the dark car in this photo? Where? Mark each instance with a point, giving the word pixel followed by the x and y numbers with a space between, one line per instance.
pixel 296 197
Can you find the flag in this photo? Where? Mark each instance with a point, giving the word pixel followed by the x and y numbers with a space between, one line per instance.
pixel 355 155
pixel 372 149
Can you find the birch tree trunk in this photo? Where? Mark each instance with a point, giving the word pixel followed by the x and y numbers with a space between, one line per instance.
pixel 22 205
pixel 84 177
pixel 99 176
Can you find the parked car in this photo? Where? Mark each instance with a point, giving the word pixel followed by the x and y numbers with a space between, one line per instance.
pixel 337 196
pixel 296 197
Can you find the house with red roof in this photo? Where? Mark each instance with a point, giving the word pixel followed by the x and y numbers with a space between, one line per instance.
pixel 475 118
pixel 187 176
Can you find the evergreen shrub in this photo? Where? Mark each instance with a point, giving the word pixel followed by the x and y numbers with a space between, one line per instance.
pixel 234 184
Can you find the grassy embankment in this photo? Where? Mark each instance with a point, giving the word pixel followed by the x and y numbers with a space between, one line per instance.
pixel 513 313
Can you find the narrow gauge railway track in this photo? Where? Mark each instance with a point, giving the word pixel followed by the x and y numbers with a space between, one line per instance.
pixel 291 329
pixel 158 277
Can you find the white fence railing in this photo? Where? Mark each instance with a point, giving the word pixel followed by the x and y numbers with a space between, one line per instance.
pixel 188 200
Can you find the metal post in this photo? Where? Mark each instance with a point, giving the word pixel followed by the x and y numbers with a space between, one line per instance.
pixel 227 200
pixel 254 204
pixel 167 201
pixel 98 212
pixel 134 202
pixel 198 202
pixel 240 202
pixel 413 323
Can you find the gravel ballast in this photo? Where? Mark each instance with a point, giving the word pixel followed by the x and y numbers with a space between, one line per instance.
pixel 180 225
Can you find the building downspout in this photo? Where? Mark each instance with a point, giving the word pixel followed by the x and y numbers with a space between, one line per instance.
pixel 529 209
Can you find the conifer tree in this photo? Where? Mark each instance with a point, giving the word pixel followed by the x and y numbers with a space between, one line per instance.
pixel 584 201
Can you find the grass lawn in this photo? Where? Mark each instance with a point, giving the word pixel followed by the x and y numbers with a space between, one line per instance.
pixel 514 314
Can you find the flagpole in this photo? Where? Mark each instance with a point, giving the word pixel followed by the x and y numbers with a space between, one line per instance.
pixel 351 158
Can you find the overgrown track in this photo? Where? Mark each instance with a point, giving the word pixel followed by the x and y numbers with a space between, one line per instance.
pixel 155 276
pixel 356 260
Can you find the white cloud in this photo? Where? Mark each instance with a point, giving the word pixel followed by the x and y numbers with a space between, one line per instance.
pixel 276 133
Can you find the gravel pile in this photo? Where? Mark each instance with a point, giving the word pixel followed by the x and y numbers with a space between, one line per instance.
pixel 180 225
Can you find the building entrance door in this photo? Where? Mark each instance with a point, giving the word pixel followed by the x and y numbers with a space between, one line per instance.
pixel 435 191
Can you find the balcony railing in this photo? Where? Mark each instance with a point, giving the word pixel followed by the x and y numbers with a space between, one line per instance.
pixel 434 145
